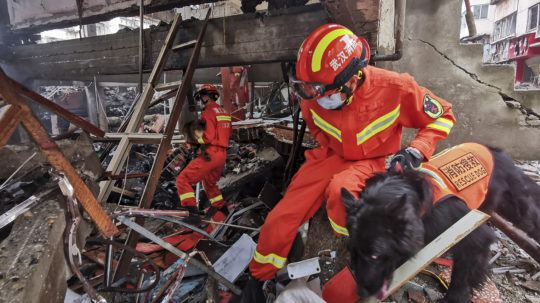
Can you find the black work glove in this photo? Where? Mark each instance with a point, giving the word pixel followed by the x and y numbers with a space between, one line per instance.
pixel 194 217
pixel 212 210
pixel 406 158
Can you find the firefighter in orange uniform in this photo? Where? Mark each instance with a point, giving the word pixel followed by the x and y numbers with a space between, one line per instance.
pixel 216 136
pixel 356 113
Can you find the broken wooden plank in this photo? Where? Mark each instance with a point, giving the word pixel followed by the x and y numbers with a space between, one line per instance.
pixel 165 86
pixel 184 45
pixel 57 109
pixel 9 119
pixel 109 176
pixel 57 159
pixel 437 247
pixel 529 245
pixel 124 192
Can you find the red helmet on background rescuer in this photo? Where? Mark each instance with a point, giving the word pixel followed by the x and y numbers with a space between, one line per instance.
pixel 327 59
pixel 207 89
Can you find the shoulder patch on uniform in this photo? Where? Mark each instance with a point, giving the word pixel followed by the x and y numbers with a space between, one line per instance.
pixel 432 107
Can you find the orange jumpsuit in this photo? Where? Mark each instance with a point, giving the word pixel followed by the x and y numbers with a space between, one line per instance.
pixel 217 134
pixel 463 171
pixel 354 142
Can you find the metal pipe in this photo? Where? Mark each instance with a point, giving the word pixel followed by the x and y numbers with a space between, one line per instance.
pixel 207 269
pixel 399 33
pixel 231 225
pixel 17 170
pixel 108 265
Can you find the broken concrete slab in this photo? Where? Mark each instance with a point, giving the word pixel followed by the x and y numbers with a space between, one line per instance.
pixel 271 159
pixel 32 266
pixel 80 153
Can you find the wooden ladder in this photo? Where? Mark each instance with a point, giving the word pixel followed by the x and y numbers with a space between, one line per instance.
pixel 142 104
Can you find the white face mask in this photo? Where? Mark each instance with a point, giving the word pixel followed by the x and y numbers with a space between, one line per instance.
pixel 331 102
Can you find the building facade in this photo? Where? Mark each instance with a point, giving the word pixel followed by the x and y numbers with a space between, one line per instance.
pixel 484 16
pixel 516 39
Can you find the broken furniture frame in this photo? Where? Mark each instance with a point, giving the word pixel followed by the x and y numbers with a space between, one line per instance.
pixel 147 234
pixel 176 278
pixel 21 112
pixel 73 254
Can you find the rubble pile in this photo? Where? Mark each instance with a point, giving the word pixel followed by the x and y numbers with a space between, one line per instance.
pixel 224 241
pixel 242 158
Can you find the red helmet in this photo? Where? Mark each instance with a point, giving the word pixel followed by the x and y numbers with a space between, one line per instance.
pixel 328 58
pixel 207 89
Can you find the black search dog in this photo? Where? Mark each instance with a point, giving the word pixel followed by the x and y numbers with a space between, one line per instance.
pixel 387 226
pixel 194 129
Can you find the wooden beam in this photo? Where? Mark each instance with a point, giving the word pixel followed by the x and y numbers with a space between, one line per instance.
pixel 57 159
pixel 235 40
pixel 95 15
pixel 10 116
pixel 57 109
pixel 529 245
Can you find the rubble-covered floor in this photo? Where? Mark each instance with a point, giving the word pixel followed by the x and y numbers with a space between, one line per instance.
pixel 253 180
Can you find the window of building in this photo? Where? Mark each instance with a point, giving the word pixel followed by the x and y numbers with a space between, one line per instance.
pixel 505 27
pixel 533 19
pixel 480 11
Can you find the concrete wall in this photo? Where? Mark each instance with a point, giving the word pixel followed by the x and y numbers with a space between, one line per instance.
pixel 455 72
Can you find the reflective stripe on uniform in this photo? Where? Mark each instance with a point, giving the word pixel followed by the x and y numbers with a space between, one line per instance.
pixel 273 259
pixel 325 126
pixel 223 118
pixel 377 126
pixel 200 140
pixel 434 175
pixel 339 229
pixel 187 195
pixel 216 199
pixel 316 60
pixel 442 124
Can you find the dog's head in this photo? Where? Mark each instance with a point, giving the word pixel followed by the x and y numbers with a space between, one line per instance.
pixel 385 228
pixel 191 128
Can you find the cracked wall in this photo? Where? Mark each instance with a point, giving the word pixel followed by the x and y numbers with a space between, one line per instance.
pixel 487 108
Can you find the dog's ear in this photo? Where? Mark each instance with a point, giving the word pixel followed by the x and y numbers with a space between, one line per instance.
pixel 396 205
pixel 351 204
